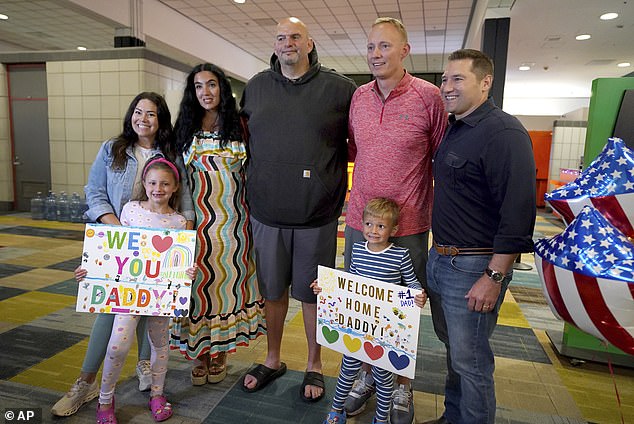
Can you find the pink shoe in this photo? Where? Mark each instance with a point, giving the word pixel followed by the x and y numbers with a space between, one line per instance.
pixel 106 416
pixel 161 408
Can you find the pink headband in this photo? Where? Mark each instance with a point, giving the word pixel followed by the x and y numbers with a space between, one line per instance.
pixel 162 160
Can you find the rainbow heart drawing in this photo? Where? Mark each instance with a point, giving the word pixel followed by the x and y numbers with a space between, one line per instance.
pixel 352 343
pixel 398 361
pixel 331 336
pixel 373 352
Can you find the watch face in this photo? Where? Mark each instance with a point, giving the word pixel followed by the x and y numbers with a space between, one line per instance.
pixel 495 275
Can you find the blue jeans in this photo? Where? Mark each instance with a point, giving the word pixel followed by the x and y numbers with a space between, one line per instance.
pixel 469 386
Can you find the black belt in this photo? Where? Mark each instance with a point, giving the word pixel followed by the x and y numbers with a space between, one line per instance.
pixel 455 250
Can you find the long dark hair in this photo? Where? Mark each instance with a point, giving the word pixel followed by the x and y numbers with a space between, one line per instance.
pixel 164 140
pixel 191 113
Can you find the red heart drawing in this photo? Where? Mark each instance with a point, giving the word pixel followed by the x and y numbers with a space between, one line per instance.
pixel 374 352
pixel 161 244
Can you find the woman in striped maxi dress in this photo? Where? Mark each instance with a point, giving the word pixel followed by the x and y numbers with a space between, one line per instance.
pixel 226 308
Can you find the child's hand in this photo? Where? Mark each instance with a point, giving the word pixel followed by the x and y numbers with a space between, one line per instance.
pixel 191 272
pixel 80 273
pixel 315 286
pixel 420 299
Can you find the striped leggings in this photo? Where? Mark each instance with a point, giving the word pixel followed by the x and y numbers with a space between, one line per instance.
pixel 383 381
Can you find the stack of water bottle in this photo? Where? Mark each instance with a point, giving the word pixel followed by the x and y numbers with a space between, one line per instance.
pixel 58 208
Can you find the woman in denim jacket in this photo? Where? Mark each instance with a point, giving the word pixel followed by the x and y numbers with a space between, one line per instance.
pixel 114 177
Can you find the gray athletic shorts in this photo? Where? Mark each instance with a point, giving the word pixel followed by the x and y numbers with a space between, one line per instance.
pixel 289 257
pixel 418 245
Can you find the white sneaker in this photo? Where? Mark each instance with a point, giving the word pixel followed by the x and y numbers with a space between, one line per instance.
pixel 402 411
pixel 144 372
pixel 81 392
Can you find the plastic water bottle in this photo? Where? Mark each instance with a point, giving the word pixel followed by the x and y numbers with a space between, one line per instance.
pixel 50 206
pixel 37 206
pixel 63 211
pixel 75 208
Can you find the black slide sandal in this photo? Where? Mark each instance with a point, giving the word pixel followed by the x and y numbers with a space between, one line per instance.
pixel 263 375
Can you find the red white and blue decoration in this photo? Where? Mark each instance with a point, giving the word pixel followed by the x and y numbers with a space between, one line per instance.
pixel 607 185
pixel 588 277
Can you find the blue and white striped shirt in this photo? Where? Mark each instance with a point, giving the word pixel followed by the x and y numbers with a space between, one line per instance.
pixel 392 265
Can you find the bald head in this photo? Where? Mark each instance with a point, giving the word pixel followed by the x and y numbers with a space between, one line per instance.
pixel 294 22
pixel 292 46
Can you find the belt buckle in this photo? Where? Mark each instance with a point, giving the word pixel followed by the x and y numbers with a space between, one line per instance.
pixel 453 250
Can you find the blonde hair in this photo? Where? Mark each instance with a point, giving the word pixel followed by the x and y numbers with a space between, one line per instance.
pixel 395 23
pixel 382 207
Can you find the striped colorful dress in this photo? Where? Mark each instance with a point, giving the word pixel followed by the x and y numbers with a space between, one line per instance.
pixel 226 308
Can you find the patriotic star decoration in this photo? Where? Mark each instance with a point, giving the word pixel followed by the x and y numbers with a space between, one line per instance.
pixel 592 246
pixel 612 172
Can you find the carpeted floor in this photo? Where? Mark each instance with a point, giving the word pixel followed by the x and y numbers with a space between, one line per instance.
pixel 43 341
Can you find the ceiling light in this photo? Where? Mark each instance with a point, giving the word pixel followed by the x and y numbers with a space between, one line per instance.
pixel 239 1
pixel 524 68
pixel 581 37
pixel 82 48
pixel 624 65
pixel 609 16
pixel 3 17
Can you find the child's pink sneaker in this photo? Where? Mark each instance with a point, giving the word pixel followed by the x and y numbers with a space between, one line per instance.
pixel 161 408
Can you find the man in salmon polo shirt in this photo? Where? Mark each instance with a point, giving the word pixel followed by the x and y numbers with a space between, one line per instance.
pixel 396 123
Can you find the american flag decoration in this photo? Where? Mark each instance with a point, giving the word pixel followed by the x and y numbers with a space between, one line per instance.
pixel 607 184
pixel 587 273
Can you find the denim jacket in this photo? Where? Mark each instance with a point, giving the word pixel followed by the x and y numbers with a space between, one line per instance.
pixel 109 189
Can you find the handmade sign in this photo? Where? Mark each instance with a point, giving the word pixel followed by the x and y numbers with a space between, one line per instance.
pixel 607 185
pixel 588 278
pixel 367 319
pixel 136 271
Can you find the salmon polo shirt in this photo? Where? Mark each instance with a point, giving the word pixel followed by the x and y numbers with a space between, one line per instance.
pixel 392 144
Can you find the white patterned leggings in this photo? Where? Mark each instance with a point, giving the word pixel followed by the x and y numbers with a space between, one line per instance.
pixel 120 343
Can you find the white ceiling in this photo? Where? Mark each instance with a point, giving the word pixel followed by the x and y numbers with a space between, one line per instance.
pixel 542 34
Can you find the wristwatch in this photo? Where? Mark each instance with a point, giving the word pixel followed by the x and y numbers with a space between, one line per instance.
pixel 496 276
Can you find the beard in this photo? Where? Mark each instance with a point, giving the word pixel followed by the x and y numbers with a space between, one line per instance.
pixel 289 60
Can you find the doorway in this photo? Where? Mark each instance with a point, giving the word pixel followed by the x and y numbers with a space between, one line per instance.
pixel 28 106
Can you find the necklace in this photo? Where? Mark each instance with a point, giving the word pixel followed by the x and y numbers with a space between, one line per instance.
pixel 214 125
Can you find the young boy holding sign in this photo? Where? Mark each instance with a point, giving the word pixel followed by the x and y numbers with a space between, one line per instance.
pixel 380 259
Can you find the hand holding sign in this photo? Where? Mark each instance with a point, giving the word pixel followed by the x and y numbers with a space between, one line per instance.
pixel 370 320
pixel 137 271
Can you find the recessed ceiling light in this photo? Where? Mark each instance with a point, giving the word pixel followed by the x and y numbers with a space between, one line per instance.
pixel 624 65
pixel 239 1
pixel 82 48
pixel 609 16
pixel 3 17
pixel 582 37
pixel 524 68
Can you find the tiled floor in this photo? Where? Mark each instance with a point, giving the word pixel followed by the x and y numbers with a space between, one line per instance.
pixel 42 342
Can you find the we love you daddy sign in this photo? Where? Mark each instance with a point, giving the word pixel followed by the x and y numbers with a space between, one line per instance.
pixel 367 319
pixel 136 271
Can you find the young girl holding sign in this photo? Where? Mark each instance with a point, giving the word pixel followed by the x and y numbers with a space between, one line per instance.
pixel 380 259
pixel 154 209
